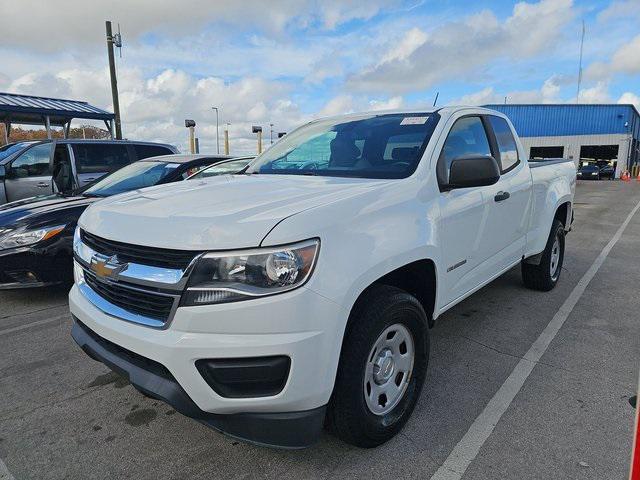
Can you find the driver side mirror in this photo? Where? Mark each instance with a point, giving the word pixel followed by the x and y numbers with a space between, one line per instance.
pixel 472 171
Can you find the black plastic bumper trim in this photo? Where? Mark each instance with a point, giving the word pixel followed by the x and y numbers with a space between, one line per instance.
pixel 282 429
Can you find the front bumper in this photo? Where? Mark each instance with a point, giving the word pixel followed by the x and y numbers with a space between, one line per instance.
pixel 285 430
pixel 300 324
pixel 30 268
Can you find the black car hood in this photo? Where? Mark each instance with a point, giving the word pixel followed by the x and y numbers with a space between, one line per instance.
pixel 47 210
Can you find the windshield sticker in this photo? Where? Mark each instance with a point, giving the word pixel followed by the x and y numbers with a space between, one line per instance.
pixel 172 165
pixel 414 120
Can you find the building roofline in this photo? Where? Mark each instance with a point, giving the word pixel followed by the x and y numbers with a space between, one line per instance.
pixel 633 107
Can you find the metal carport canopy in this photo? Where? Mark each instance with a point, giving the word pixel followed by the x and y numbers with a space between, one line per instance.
pixel 31 110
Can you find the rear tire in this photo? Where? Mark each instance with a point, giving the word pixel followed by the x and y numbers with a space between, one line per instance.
pixel 382 368
pixel 545 276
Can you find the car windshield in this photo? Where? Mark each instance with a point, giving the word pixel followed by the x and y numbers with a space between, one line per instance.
pixel 364 146
pixel 7 150
pixel 589 168
pixel 136 175
pixel 234 166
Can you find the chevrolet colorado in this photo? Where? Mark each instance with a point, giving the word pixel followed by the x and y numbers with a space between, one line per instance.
pixel 299 294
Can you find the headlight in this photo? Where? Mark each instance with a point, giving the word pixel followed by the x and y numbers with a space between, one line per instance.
pixel 232 276
pixel 23 236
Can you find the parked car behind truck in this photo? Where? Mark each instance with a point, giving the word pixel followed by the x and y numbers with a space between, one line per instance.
pixel 36 234
pixel 28 169
pixel 301 293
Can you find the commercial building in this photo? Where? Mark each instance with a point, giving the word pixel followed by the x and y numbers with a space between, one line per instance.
pixel 586 133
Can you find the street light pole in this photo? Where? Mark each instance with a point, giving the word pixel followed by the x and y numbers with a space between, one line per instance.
pixel 217 130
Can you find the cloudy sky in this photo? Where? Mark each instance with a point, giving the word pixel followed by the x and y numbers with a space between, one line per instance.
pixel 287 61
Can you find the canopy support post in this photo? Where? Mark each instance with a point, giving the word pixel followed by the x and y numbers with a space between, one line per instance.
pixel 47 124
pixel 7 131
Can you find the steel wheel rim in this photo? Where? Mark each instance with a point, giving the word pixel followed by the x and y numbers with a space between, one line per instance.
pixel 554 265
pixel 388 369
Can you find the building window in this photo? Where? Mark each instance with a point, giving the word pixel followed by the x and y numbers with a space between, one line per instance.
pixel 546 152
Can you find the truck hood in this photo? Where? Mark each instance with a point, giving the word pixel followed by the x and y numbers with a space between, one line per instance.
pixel 219 213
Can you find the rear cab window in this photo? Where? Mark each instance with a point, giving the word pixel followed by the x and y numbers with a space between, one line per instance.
pixel 507 147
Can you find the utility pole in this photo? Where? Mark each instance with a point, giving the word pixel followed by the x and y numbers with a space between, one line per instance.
pixel 580 64
pixel 217 130
pixel 114 81
pixel 271 134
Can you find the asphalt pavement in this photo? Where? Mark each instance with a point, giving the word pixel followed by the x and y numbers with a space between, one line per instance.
pixel 63 415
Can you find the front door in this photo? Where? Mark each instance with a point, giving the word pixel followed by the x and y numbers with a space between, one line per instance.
pixel 30 174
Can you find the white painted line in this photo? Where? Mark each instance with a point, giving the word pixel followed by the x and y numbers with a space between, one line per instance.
pixel 5 474
pixel 6 331
pixel 468 447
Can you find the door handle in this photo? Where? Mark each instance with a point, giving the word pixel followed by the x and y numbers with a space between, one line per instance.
pixel 501 196
pixel 43 185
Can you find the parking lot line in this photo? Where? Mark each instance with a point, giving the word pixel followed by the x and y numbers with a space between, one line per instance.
pixel 469 446
pixel 7 331
pixel 5 474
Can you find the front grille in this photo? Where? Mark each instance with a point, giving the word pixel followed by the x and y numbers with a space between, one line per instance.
pixel 147 304
pixel 152 256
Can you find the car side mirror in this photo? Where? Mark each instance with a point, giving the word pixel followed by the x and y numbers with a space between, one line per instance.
pixel 472 171
pixel 3 172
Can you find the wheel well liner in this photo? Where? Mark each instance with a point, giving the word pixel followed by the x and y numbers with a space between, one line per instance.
pixel 417 278
pixel 562 212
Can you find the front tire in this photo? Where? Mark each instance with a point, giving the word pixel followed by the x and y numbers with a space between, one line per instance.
pixel 545 276
pixel 382 368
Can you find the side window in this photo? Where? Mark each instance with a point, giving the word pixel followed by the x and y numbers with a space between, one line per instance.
pixel 100 158
pixel 467 138
pixel 506 143
pixel 33 163
pixel 147 151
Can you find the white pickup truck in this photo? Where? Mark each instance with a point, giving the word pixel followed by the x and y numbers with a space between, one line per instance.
pixel 300 293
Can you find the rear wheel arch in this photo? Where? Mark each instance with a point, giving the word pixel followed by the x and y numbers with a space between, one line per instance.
pixel 562 214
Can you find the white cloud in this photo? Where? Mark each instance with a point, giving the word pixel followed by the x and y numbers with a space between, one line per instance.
pixel 337 105
pixel 549 92
pixel 631 98
pixel 390 104
pixel 155 108
pixel 599 93
pixel 75 23
pixel 620 9
pixel 626 59
pixel 419 60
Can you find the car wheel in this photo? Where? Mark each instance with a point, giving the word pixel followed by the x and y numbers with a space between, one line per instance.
pixel 382 367
pixel 545 276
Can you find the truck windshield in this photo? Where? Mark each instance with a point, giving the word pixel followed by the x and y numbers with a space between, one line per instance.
pixel 136 175
pixel 365 146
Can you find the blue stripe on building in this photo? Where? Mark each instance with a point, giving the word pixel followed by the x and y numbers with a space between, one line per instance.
pixel 554 120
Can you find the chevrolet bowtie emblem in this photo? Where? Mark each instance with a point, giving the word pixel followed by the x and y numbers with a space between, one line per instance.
pixel 106 267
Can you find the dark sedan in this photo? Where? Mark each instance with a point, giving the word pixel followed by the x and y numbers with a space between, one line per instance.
pixel 36 234
pixel 588 172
